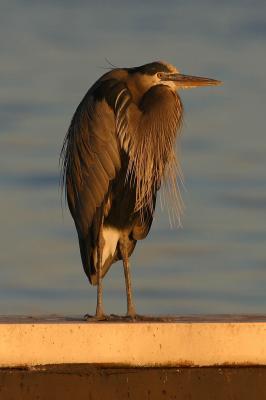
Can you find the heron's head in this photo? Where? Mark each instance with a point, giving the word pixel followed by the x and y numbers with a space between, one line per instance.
pixel 161 73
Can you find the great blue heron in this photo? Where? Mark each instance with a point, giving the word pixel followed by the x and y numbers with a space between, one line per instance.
pixel 118 149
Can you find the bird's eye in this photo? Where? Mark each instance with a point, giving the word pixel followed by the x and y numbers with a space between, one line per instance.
pixel 159 75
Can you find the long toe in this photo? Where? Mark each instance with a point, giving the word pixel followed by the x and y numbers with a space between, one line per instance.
pixel 88 317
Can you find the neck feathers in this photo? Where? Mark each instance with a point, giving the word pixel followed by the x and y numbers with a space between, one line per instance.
pixel 152 149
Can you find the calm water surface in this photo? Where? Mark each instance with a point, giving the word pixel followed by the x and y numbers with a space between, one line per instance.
pixel 51 53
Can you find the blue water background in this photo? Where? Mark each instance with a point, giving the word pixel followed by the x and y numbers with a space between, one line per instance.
pixel 51 52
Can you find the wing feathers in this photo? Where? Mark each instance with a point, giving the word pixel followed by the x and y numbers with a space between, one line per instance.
pixel 90 159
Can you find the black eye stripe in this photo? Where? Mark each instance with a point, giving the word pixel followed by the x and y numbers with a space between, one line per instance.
pixel 149 69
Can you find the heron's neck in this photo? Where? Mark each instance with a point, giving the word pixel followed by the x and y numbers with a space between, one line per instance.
pixel 152 145
pixel 163 104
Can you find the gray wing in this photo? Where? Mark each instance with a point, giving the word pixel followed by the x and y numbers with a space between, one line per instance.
pixel 91 159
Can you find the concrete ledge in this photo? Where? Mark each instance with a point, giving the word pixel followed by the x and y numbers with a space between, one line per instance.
pixel 164 342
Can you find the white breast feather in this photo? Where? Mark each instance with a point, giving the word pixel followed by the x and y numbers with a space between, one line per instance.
pixel 110 237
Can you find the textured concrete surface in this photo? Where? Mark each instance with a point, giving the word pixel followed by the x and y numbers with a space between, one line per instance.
pixel 94 383
pixel 164 342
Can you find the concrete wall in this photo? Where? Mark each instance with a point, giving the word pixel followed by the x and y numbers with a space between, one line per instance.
pixel 217 357
pixel 162 342
pixel 83 382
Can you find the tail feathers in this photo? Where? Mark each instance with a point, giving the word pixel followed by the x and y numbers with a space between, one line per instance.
pixel 85 253
pixel 108 262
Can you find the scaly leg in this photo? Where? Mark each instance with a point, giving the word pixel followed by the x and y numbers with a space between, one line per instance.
pixel 131 312
pixel 99 308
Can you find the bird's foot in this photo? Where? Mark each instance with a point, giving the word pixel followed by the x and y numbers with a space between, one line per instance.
pixel 96 317
pixel 130 315
pixel 117 317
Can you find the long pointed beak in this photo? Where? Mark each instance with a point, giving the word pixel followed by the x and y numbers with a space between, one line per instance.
pixel 187 81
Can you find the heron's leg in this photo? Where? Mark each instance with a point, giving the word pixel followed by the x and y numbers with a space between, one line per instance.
pixel 99 308
pixel 131 312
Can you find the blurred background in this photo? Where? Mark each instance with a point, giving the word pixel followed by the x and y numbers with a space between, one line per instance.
pixel 51 53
